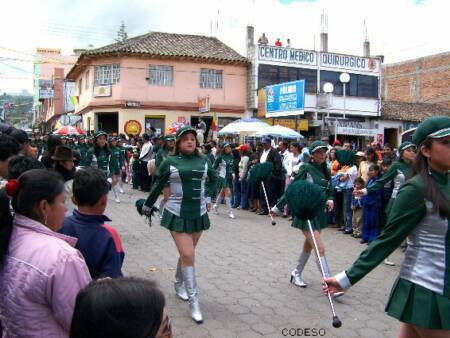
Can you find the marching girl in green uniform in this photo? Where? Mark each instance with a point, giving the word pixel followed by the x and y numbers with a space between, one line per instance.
pixel 161 155
pixel 190 178
pixel 114 167
pixel 420 298
pixel 224 167
pixel 82 148
pixel 318 173
pixel 398 173
pixel 99 156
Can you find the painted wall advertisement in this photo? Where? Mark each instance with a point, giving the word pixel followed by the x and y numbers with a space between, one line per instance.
pixel 285 99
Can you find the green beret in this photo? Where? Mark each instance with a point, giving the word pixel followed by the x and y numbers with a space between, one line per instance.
pixel 100 133
pixel 316 145
pixel 169 138
pixel 432 127
pixel 406 145
pixel 225 144
pixel 184 130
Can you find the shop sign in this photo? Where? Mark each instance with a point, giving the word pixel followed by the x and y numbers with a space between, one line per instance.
pixel 287 55
pixel 285 99
pixel 203 104
pixel 132 104
pixel 356 131
pixel 349 62
pixel 302 124
pixel 100 91
pixel 46 90
pixel 132 127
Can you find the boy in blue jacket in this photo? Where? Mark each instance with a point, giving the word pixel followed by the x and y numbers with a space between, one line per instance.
pixel 99 243
pixel 371 207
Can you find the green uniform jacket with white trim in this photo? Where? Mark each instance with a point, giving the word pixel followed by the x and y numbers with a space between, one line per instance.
pixel 191 179
pixel 224 166
pixel 427 258
pixel 102 161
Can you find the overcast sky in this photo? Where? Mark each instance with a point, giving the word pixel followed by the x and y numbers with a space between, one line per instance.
pixel 398 29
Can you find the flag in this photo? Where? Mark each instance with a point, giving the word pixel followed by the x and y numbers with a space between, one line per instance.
pixel 75 100
pixel 214 123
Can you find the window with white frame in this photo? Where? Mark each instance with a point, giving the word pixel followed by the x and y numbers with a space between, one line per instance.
pixel 210 78
pixel 161 75
pixel 107 74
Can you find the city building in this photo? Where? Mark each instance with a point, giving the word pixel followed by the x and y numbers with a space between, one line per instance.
pixel 323 112
pixel 157 79
pixel 51 92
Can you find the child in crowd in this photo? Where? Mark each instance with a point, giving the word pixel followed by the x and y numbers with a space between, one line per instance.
pixel 100 244
pixel 357 207
pixel 371 207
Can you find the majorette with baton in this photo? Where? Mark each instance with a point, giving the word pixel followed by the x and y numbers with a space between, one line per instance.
pixel 420 298
pixel 315 172
pixel 190 178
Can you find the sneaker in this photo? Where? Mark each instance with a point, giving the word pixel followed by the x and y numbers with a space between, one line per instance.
pixel 117 199
pixel 388 262
pixel 121 191
pixel 216 209
pixel 231 215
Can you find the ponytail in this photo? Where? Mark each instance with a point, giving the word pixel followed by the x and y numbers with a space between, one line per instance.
pixel 6 224
pixel 432 191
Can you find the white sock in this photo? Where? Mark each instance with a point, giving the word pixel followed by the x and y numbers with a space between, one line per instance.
pixel 228 203
pixel 219 200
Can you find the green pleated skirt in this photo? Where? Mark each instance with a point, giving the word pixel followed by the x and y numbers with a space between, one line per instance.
pixel 224 183
pixel 179 224
pixel 318 223
pixel 413 304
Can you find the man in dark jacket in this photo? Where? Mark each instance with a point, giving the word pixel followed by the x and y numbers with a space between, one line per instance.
pixel 273 183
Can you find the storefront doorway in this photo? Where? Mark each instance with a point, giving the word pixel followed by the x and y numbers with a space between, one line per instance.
pixel 155 125
pixel 108 122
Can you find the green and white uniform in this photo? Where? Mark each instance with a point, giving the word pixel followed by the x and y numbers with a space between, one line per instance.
pixel 115 166
pixel 102 161
pixel 421 294
pixel 224 167
pixel 83 150
pixel 399 172
pixel 191 179
pixel 313 173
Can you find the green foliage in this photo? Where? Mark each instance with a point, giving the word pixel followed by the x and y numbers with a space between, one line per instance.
pixel 122 35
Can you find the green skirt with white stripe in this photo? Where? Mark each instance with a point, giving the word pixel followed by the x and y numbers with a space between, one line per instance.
pixel 178 224
pixel 413 304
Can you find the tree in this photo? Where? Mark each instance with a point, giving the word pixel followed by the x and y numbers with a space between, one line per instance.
pixel 121 34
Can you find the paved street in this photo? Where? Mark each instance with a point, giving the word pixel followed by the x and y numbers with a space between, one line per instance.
pixel 243 269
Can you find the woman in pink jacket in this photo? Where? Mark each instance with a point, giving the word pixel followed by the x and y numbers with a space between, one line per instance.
pixel 40 270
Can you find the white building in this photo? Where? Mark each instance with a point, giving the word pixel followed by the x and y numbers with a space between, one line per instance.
pixel 272 65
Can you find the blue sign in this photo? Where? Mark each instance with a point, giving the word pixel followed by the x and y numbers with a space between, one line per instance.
pixel 285 99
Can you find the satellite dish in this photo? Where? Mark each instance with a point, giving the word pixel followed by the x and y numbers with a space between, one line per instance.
pixel 344 77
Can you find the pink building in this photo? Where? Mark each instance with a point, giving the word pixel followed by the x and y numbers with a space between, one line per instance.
pixel 50 68
pixel 157 79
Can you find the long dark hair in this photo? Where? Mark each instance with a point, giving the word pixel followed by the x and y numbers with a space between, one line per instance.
pixel 97 148
pixel 34 186
pixel 432 191
pixel 118 308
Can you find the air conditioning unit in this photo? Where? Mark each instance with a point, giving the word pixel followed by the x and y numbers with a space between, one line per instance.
pixel 324 100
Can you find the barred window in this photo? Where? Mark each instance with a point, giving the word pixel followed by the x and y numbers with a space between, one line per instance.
pixel 107 74
pixel 87 80
pixel 210 78
pixel 161 75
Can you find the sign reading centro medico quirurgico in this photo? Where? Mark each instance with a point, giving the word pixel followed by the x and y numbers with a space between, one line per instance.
pixel 285 99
